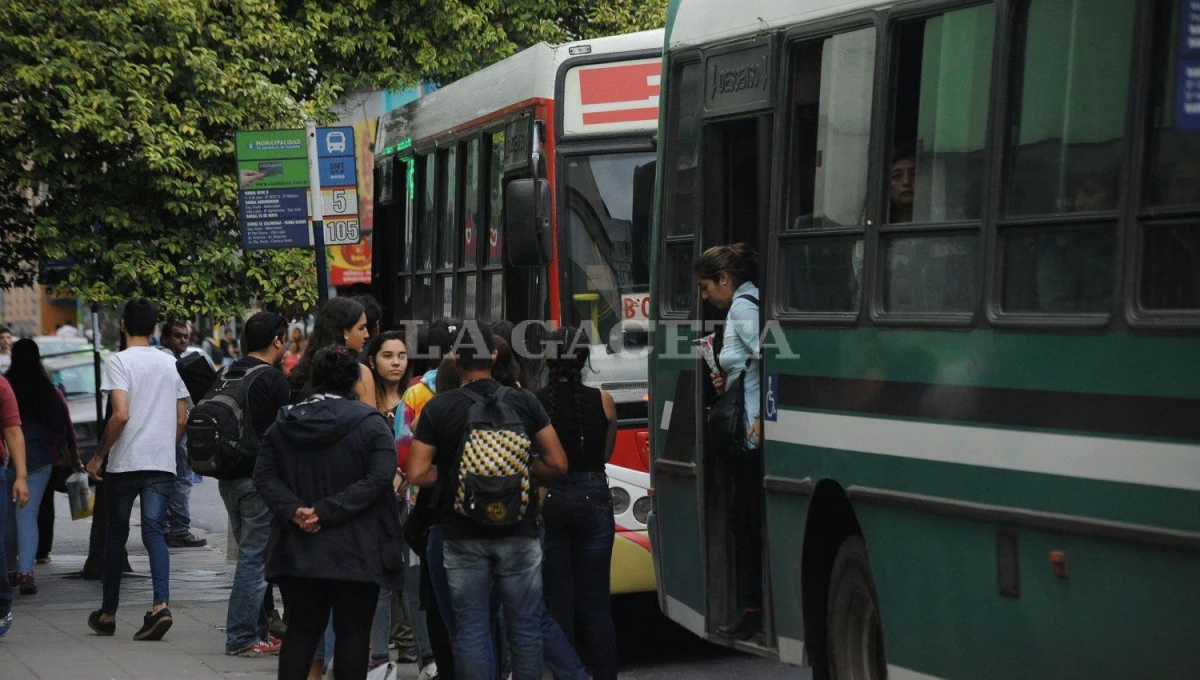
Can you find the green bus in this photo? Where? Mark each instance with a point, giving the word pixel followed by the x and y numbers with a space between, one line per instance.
pixel 979 236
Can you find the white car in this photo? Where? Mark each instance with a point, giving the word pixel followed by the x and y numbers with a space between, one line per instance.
pixel 75 375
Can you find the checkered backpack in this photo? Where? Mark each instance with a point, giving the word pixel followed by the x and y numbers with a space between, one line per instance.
pixel 492 485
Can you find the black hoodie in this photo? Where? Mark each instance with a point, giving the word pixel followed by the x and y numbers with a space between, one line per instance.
pixel 338 457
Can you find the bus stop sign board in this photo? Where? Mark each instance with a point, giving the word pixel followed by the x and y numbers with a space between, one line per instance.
pixel 273 188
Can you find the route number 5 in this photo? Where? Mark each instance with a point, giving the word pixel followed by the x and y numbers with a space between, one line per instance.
pixel 339 201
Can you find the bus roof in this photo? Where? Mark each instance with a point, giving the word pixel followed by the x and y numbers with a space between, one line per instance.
pixel 527 75
pixel 699 22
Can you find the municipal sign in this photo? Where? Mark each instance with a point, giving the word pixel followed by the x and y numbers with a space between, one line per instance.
pixel 273 188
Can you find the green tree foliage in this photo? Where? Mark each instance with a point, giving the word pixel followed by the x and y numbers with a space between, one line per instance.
pixel 117 121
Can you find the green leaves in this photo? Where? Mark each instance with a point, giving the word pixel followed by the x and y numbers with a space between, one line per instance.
pixel 117 122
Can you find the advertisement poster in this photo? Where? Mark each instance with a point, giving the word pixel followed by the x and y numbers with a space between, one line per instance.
pixel 351 264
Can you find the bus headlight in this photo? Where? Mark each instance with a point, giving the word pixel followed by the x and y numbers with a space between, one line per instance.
pixel 620 498
pixel 641 509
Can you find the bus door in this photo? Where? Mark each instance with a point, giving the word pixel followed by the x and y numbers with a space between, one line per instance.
pixel 737 194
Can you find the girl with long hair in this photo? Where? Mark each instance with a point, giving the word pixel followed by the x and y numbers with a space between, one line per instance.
pixel 46 424
pixel 578 512
pixel 341 322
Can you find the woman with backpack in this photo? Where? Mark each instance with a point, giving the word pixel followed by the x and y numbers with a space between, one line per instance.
pixel 325 469
pixel 577 512
pixel 46 424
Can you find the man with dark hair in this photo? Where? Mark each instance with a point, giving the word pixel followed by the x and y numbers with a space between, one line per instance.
pixel 5 350
pixel 478 556
pixel 173 337
pixel 247 632
pixel 149 413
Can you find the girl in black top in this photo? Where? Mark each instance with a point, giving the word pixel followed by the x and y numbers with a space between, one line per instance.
pixel 578 512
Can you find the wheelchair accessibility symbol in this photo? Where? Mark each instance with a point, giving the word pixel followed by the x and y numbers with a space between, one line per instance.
pixel 771 408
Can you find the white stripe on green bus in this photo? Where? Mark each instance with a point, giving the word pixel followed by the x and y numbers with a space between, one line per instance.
pixel 1175 466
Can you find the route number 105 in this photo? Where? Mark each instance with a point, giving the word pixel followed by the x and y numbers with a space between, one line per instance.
pixel 342 232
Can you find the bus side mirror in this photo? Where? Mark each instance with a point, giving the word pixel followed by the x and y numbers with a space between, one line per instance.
pixel 527 222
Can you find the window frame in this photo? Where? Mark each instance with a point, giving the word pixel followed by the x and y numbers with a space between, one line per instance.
pixel 779 214
pixel 1139 218
pixel 482 196
pixel 1004 121
pixel 882 230
pixel 676 63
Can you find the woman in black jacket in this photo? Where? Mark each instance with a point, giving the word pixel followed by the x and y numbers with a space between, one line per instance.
pixel 325 470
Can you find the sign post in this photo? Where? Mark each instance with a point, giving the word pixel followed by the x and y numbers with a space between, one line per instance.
pixel 286 178
pixel 318 212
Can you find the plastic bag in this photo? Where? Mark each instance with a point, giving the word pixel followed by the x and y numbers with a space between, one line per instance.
pixel 79 495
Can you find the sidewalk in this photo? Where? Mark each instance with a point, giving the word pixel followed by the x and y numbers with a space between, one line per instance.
pixel 50 638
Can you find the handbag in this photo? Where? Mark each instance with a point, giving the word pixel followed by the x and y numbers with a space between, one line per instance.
pixel 725 426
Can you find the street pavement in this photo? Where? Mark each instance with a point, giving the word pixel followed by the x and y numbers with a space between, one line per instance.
pixel 50 639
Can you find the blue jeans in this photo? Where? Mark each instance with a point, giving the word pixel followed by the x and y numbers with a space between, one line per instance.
pixel 154 488
pixel 250 522
pixel 578 515
pixel 21 531
pixel 381 626
pixel 179 512
pixel 5 586
pixel 435 560
pixel 513 566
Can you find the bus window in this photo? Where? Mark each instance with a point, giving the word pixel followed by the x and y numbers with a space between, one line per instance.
pixel 1062 271
pixel 831 94
pixel 679 283
pixel 495 252
pixel 470 229
pixel 1070 101
pixel 445 300
pixel 493 296
pixel 423 299
pixel 448 195
pixel 832 82
pixel 410 212
pixel 1170 268
pixel 931 273
pixel 684 151
pixel 944 66
pixel 608 251
pixel 428 228
pixel 468 290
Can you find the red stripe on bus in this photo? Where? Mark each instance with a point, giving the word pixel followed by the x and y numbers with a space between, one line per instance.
pixel 612 84
pixel 621 116
pixel 634 536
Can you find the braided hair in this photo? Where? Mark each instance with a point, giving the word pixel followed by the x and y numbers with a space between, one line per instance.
pixel 568 352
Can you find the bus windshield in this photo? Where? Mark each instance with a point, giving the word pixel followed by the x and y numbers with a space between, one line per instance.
pixel 608 238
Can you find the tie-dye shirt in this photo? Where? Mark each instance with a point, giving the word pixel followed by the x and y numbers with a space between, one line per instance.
pixel 411 403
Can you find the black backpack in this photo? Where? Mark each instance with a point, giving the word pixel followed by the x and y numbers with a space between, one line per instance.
pixel 221 442
pixel 490 476
pixel 197 373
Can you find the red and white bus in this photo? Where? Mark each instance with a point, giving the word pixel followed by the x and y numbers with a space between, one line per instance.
pixel 566 132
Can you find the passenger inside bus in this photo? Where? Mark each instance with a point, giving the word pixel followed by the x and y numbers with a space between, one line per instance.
pixel 902 179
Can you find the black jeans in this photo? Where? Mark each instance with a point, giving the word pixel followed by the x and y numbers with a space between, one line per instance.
pixel 745 521
pixel 578 515
pixel 309 601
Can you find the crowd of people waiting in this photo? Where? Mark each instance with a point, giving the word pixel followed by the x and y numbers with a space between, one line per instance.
pixel 367 448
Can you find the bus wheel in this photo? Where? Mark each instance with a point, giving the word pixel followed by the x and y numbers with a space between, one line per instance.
pixel 854 627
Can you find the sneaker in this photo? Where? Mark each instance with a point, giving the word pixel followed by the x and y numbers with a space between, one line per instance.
pixel 26 584
pixel 429 672
pixel 42 560
pixel 258 649
pixel 5 624
pixel 103 628
pixel 188 540
pixel 155 625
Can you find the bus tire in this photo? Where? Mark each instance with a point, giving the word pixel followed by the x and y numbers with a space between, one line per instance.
pixel 854 627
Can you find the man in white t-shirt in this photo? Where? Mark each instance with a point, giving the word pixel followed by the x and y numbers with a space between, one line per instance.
pixel 149 413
